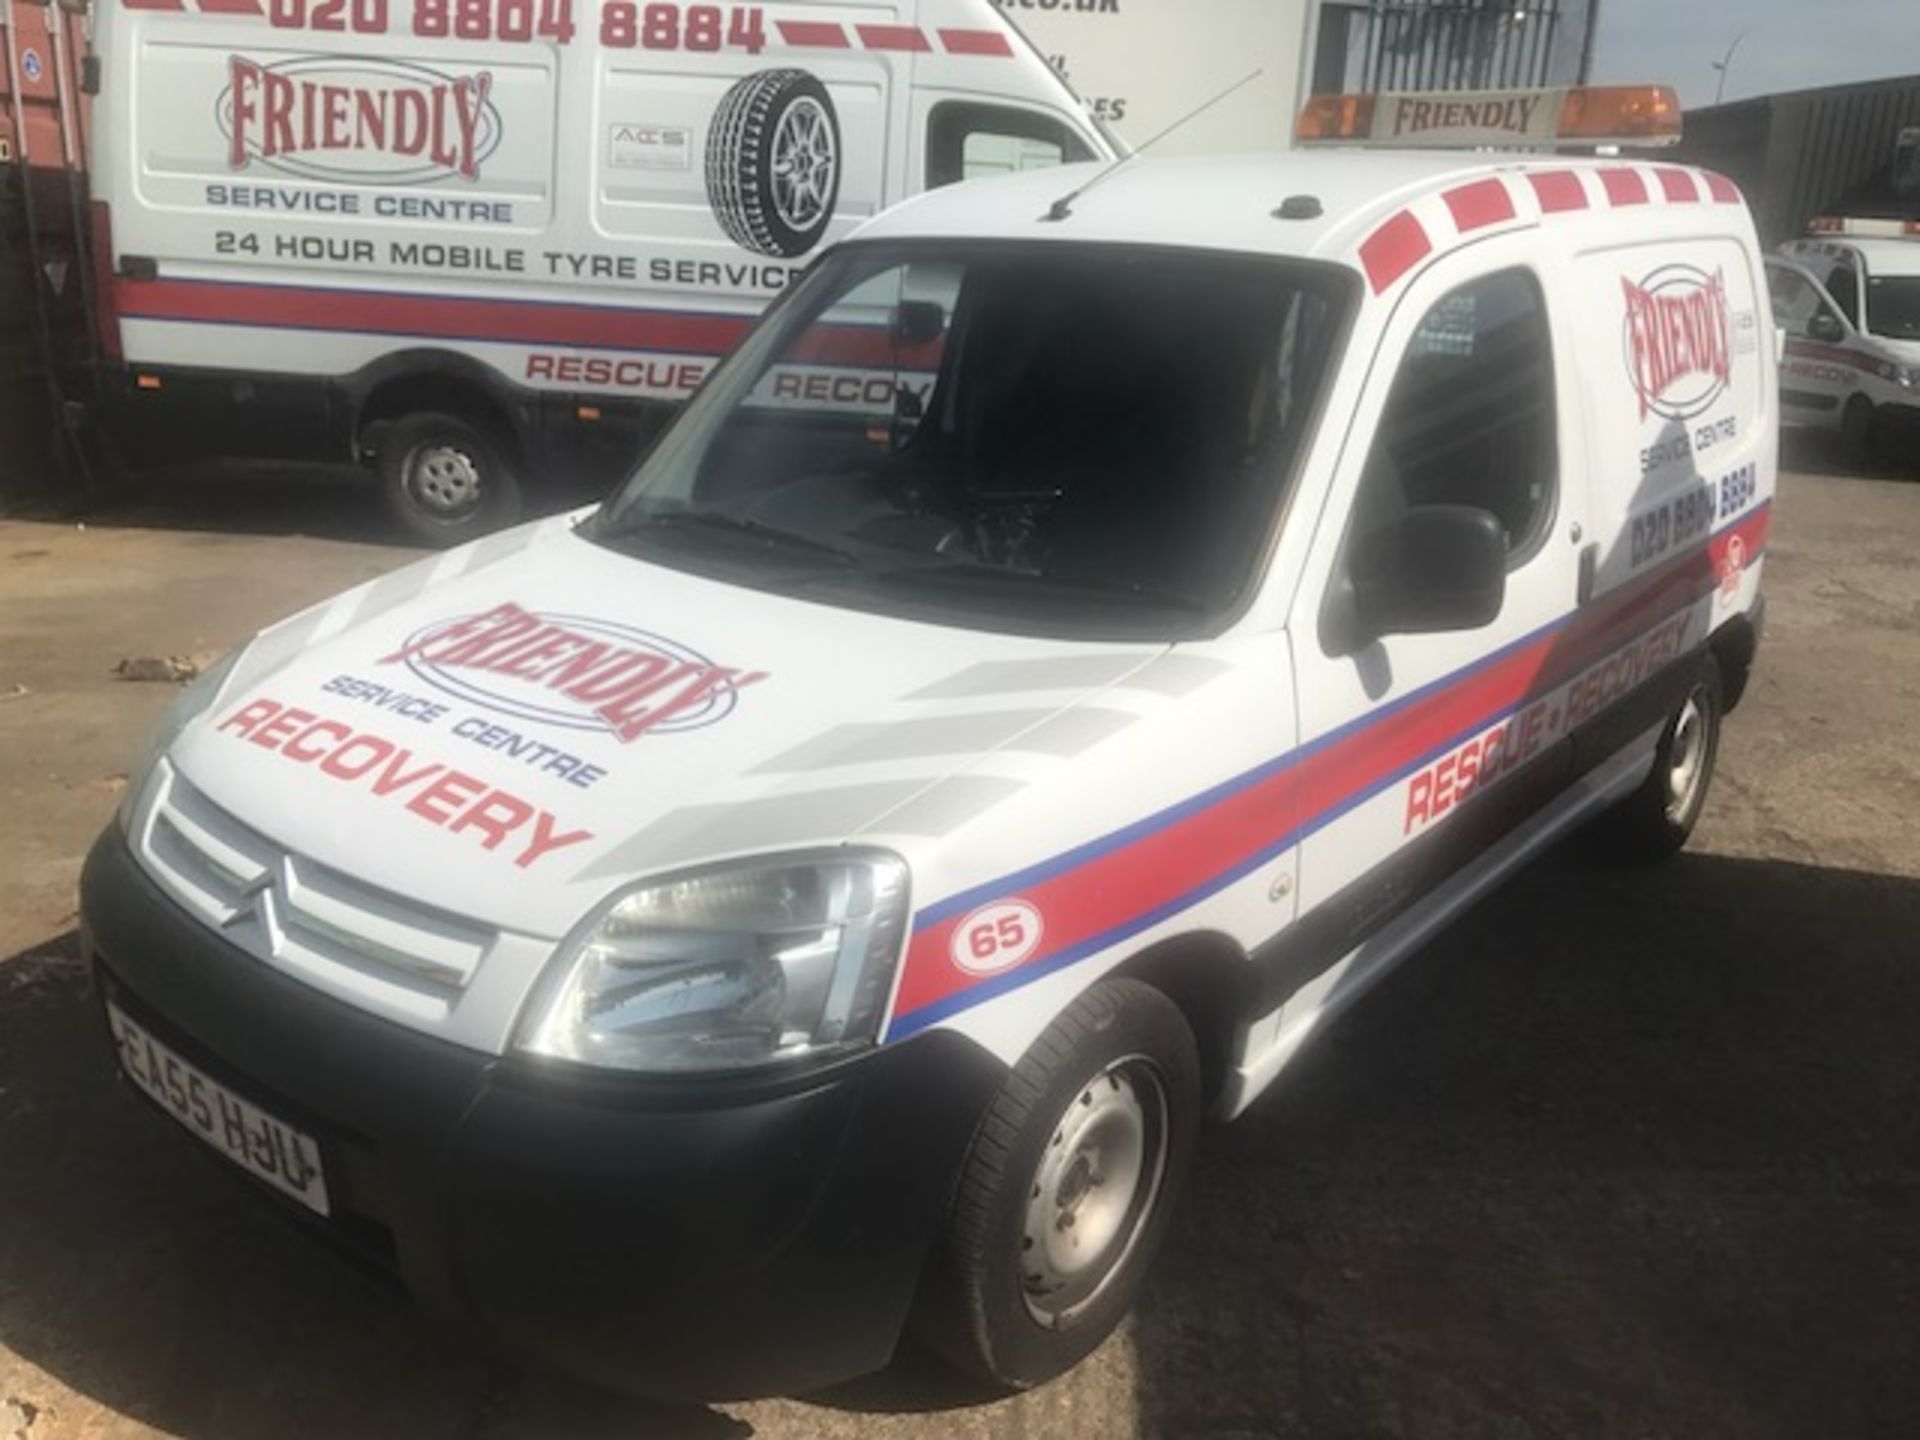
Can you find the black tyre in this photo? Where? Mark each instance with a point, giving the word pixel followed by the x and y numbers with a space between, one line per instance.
pixel 443 480
pixel 1856 431
pixel 773 163
pixel 1655 821
pixel 1067 1190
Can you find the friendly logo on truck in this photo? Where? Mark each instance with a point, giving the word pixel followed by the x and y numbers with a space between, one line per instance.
pixel 369 122
pixel 574 672
pixel 1678 338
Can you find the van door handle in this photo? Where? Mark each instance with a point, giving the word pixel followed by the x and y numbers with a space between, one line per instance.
pixel 1589 570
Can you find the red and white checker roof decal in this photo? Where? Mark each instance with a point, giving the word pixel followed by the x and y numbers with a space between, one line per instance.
pixel 798 34
pixel 1405 238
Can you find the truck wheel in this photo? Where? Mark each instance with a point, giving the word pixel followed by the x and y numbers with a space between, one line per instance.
pixel 1655 821
pixel 1856 431
pixel 773 163
pixel 1067 1189
pixel 443 482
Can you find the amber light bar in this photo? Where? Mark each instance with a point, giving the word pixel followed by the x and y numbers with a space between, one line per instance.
pixel 1507 119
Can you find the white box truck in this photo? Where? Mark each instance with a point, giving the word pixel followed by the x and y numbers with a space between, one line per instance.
pixel 468 242
pixel 1142 65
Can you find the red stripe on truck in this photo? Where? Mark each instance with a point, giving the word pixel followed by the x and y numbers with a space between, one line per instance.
pixel 229 7
pixel 1722 189
pixel 812 34
pixel 893 37
pixel 433 316
pixel 977 42
pixel 508 322
pixel 154 4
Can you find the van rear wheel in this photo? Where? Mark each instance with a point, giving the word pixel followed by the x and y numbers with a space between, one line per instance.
pixel 1657 819
pixel 443 481
pixel 1067 1190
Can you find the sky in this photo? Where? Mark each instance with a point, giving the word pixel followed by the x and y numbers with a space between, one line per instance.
pixel 1790 44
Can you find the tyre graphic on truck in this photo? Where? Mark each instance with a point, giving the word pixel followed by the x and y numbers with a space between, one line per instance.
pixel 773 162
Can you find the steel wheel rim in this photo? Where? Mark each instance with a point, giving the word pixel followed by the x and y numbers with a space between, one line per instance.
pixel 804 164
pixel 444 480
pixel 1686 758
pixel 1093 1191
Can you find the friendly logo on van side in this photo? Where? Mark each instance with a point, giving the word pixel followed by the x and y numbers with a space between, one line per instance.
pixel 573 672
pixel 368 122
pixel 1679 340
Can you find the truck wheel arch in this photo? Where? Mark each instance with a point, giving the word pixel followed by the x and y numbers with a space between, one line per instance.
pixel 436 382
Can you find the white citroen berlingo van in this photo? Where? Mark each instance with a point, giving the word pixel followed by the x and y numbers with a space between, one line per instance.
pixel 820 891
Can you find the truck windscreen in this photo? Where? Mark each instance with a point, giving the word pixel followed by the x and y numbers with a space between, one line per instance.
pixel 1031 438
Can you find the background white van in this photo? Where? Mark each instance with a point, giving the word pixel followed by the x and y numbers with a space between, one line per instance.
pixel 471 240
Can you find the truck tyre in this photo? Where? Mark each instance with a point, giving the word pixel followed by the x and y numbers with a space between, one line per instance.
pixel 1655 821
pixel 443 481
pixel 773 163
pixel 1067 1190
pixel 1856 431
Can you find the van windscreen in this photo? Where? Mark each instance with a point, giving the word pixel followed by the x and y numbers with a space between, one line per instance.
pixel 1031 438
pixel 1893 306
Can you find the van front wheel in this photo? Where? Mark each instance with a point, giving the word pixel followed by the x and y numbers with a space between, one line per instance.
pixel 443 481
pixel 1067 1190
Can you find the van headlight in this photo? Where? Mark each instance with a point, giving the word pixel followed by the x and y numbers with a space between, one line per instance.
pixel 744 965
pixel 195 697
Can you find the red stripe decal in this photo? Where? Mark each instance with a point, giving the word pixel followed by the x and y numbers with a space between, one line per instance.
pixel 154 4
pixel 229 7
pixel 1678 187
pixel 507 322
pixel 1624 187
pixel 976 42
pixel 433 316
pixel 813 34
pixel 1558 190
pixel 1085 901
pixel 1483 203
pixel 1722 189
pixel 1208 841
pixel 893 37
pixel 1395 248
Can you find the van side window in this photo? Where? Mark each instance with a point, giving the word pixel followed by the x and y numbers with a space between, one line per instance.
pixel 966 140
pixel 1844 287
pixel 1470 419
pixel 1797 304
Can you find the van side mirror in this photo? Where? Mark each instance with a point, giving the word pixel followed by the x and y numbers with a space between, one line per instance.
pixel 1825 326
pixel 917 323
pixel 1437 568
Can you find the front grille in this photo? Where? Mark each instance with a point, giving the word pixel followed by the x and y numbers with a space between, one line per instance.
pixel 368 946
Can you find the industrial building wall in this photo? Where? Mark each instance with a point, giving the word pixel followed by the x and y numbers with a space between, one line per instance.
pixel 1798 155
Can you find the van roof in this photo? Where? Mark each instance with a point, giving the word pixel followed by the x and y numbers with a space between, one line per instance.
pixel 1382 212
pixel 1885 255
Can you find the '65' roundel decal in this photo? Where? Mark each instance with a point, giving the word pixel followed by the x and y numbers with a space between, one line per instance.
pixel 996 937
pixel 574 672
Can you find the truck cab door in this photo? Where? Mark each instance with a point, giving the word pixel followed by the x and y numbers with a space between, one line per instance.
pixel 1426 736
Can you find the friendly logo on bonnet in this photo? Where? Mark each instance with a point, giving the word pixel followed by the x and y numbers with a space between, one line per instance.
pixel 574 672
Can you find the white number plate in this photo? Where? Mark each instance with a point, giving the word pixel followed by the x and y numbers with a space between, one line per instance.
pixel 238 1129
